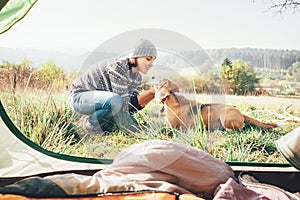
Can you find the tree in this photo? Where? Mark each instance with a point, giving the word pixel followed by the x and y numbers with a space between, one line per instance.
pixel 238 77
pixel 283 5
pixel 227 75
pixel 50 74
pixel 214 82
pixel 294 71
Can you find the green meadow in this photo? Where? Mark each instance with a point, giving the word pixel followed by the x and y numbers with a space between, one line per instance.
pixel 46 118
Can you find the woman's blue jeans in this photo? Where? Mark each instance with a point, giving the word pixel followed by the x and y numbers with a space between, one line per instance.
pixel 103 107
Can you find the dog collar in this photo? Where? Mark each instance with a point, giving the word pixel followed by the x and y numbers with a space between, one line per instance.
pixel 162 109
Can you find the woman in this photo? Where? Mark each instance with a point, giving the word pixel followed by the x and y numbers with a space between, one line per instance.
pixel 108 93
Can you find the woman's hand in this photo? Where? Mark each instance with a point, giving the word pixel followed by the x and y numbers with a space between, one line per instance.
pixel 145 97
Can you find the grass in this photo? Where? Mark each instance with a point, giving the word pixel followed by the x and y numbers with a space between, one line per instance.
pixel 46 119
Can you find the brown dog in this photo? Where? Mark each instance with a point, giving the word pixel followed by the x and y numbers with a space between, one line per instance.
pixel 181 111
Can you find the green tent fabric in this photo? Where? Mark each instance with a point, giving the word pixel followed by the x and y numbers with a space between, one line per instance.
pixel 20 157
pixel 11 11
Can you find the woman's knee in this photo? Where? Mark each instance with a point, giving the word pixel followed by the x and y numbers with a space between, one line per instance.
pixel 116 103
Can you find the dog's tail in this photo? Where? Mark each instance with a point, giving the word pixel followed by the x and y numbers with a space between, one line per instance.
pixel 264 125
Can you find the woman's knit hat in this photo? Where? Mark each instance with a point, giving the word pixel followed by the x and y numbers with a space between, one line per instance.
pixel 144 48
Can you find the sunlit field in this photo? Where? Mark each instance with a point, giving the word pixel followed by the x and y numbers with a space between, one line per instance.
pixel 47 119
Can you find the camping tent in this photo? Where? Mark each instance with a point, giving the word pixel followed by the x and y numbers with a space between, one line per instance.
pixel 22 158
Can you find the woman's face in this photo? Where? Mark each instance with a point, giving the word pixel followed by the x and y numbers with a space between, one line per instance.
pixel 145 63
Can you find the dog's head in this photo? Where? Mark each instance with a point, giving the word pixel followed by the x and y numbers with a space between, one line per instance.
pixel 164 89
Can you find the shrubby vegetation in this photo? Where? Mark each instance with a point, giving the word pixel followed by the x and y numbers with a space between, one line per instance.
pixel 21 76
pixel 294 72
pixel 236 77
pixel 233 77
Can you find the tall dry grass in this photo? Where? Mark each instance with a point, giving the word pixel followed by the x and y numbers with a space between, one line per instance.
pixel 46 118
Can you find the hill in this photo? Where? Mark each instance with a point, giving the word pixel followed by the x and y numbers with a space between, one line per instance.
pixel 68 59
pixel 72 60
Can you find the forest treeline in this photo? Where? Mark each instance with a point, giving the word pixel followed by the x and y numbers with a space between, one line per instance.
pixel 269 59
pixel 261 58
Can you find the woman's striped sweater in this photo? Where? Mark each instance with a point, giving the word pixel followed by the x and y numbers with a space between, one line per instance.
pixel 112 75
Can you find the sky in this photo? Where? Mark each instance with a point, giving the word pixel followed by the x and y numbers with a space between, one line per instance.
pixel 85 24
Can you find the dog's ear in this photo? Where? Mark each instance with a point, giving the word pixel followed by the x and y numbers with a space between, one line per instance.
pixel 171 86
pixel 175 88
